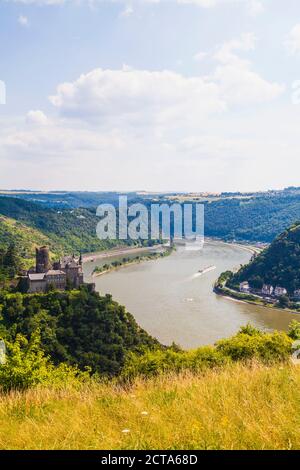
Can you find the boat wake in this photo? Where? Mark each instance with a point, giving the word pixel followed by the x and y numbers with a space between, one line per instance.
pixel 204 271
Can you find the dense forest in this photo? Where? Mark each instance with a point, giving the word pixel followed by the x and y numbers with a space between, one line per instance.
pixel 69 219
pixel 77 328
pixel 29 224
pixel 259 218
pixel 278 265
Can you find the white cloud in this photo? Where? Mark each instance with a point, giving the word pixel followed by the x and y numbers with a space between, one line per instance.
pixel 200 56
pixel 226 53
pixel 156 126
pixel 37 117
pixel 23 20
pixel 128 11
pixel 292 42
pixel 138 97
pixel 239 84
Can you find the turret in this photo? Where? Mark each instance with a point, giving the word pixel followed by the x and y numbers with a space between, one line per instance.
pixel 42 259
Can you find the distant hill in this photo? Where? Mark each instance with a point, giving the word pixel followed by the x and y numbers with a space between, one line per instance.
pixel 278 265
pixel 25 238
pixel 253 217
pixel 259 218
pixel 64 230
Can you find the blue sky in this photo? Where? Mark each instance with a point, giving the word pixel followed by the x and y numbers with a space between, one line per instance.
pixel 187 95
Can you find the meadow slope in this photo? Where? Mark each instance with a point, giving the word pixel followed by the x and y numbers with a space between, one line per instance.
pixel 236 407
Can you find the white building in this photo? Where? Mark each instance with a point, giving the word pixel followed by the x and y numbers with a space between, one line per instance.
pixel 244 287
pixel 279 291
pixel 267 289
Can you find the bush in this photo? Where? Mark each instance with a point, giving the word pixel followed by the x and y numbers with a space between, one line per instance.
pixel 248 344
pixel 294 330
pixel 266 347
pixel 26 366
pixel 165 361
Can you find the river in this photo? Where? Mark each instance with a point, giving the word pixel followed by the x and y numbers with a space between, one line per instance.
pixel 171 300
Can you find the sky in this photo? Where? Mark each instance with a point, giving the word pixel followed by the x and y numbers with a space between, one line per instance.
pixel 155 95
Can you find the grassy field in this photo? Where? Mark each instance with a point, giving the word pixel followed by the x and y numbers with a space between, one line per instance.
pixel 237 407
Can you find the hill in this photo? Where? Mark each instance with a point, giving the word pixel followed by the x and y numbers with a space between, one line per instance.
pixel 278 265
pixel 257 216
pixel 25 238
pixel 239 407
pixel 76 327
pixel 65 230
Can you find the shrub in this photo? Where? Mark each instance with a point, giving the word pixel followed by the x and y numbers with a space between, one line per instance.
pixel 157 362
pixel 26 366
pixel 248 344
pixel 294 330
pixel 266 347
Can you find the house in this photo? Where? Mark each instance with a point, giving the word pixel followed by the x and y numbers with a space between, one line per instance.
pixel 267 289
pixel 244 287
pixel 279 291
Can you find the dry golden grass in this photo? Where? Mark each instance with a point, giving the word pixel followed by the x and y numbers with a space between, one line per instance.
pixel 238 407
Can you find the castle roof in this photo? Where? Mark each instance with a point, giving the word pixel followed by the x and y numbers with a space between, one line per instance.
pixel 36 276
pixel 54 272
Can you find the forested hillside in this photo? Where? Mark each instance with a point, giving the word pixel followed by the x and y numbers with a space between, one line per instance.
pixel 251 217
pixel 29 224
pixel 259 218
pixel 278 265
pixel 78 328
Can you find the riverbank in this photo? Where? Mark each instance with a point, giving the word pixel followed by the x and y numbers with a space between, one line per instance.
pixel 250 299
pixel 119 251
pixel 251 248
pixel 107 268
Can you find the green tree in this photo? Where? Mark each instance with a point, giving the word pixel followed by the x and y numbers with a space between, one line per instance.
pixel 25 365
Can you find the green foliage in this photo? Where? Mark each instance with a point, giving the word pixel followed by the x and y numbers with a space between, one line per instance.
pixel 26 364
pixel 284 301
pixel 24 239
pixel 130 260
pixel 265 347
pixel 252 217
pixel 259 217
pixel 76 327
pixel 250 330
pixel 248 344
pixel 65 231
pixel 294 330
pixel 278 265
pixel 10 263
pixel 167 361
pixel 223 279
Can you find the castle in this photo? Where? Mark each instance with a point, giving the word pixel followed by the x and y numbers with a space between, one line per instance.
pixel 67 272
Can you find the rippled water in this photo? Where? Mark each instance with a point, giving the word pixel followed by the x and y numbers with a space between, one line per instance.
pixel 174 302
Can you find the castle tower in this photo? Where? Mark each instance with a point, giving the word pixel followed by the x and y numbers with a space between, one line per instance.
pixel 42 259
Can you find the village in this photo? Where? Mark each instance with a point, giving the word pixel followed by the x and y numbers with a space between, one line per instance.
pixel 269 292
